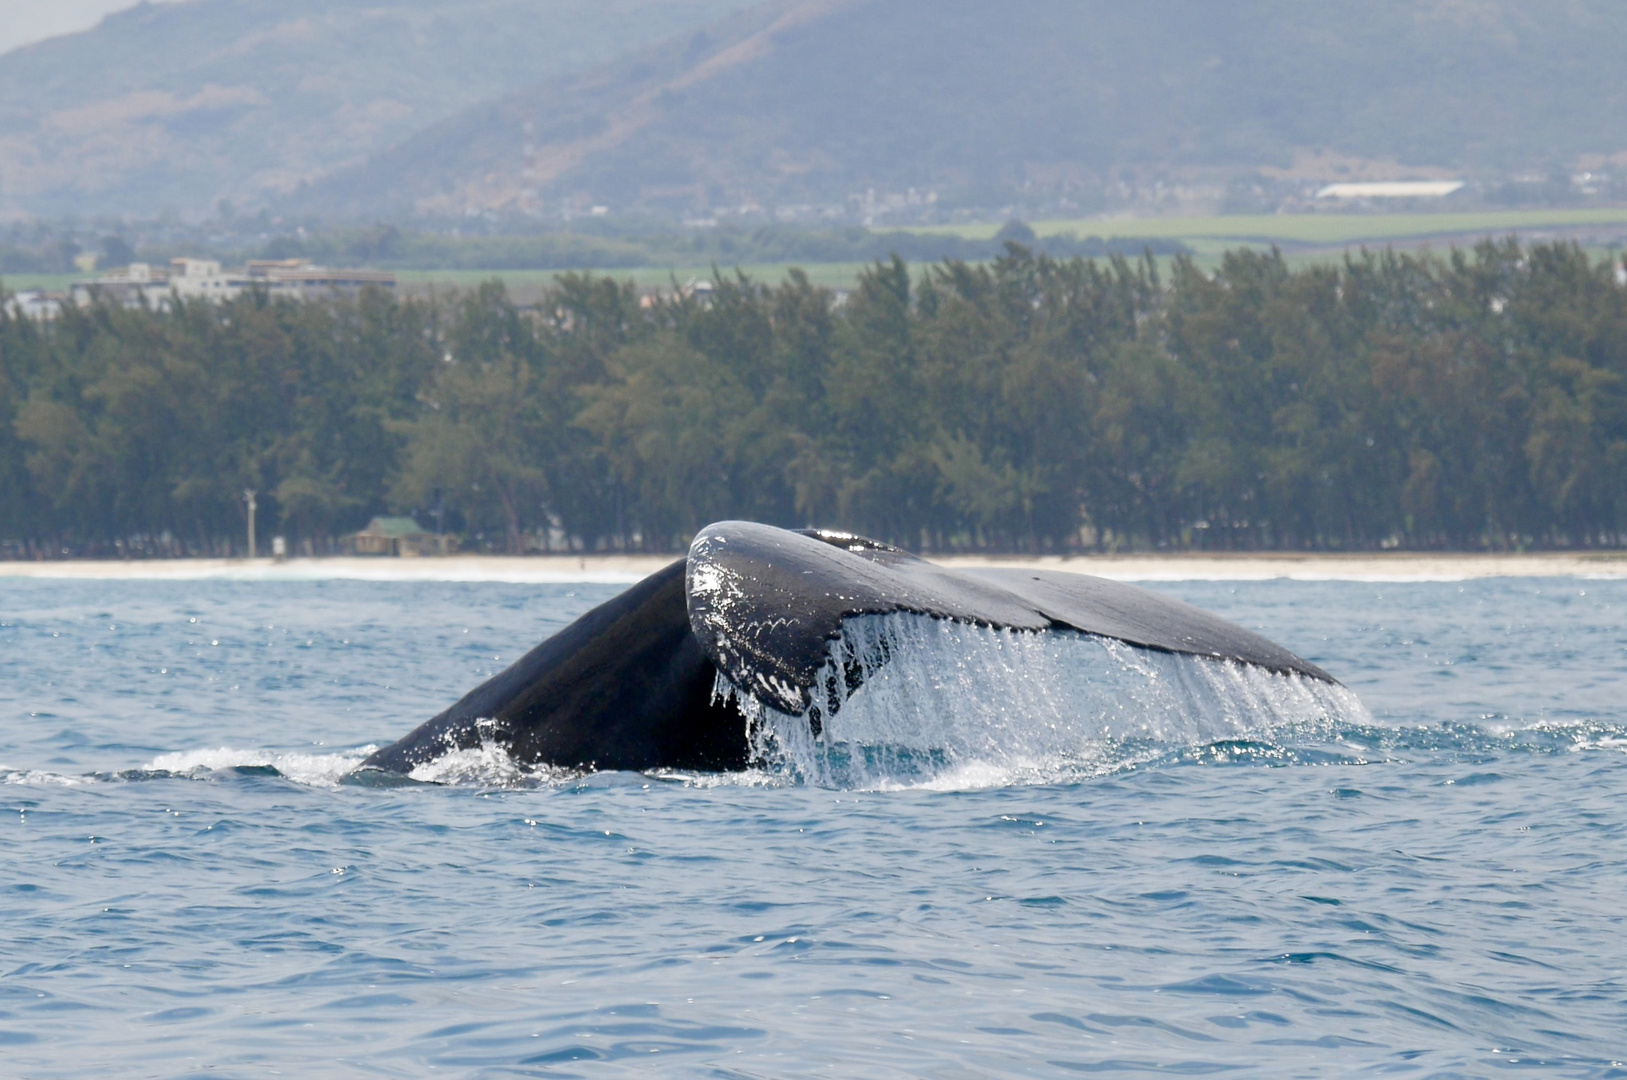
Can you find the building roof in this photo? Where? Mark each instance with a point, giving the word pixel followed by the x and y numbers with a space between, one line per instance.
pixel 312 275
pixel 1391 189
pixel 393 528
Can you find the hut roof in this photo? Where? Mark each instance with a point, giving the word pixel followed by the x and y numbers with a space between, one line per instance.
pixel 393 528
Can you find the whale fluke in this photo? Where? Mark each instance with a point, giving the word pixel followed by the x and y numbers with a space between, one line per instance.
pixel 765 602
pixel 632 683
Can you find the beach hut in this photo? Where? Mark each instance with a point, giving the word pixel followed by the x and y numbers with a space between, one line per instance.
pixel 401 536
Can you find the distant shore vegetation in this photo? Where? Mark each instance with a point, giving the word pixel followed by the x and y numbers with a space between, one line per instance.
pixel 1034 403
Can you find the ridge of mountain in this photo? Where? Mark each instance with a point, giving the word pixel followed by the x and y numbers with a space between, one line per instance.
pixel 178 106
pixel 548 130
pixel 820 100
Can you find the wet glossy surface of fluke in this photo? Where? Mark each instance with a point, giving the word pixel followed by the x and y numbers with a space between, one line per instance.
pixel 632 684
pixel 766 602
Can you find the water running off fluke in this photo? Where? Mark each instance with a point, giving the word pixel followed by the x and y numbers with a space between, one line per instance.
pixel 907 700
pixel 841 660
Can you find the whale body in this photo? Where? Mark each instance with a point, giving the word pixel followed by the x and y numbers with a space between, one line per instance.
pixel 633 684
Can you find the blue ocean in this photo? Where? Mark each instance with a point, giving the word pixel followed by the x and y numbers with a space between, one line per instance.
pixel 1165 873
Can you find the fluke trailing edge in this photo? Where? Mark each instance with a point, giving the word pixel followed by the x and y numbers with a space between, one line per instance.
pixel 631 684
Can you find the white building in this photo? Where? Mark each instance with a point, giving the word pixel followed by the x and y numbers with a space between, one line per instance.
pixel 35 304
pixel 133 286
pixel 1391 189
pixel 301 280
pixel 141 285
pixel 191 279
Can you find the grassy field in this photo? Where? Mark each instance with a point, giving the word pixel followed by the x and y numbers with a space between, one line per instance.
pixel 1311 229
pixel 1307 239
pixel 523 283
pixel 527 283
pixel 48 282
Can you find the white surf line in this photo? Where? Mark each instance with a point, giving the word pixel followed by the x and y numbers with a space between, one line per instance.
pixel 539 570
pixel 1399 569
pixel 627 569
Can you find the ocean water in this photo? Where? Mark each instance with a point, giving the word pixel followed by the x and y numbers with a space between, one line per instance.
pixel 1179 870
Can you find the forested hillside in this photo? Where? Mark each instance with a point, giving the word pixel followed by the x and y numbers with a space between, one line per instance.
pixel 377 109
pixel 1038 405
pixel 816 101
pixel 176 106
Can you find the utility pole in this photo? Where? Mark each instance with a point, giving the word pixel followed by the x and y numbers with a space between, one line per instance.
pixel 248 500
pixel 438 513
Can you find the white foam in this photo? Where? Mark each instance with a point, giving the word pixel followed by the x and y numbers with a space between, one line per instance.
pixel 520 570
pixel 317 770
pixel 1374 568
pixel 612 569
pixel 756 776
pixel 39 778
pixel 940 704
pixel 489 765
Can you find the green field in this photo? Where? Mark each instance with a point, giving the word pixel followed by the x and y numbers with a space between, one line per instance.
pixel 1315 229
pixel 526 284
pixel 522 283
pixel 1306 238
pixel 48 282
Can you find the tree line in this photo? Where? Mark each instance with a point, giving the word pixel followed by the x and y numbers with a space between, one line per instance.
pixel 1468 400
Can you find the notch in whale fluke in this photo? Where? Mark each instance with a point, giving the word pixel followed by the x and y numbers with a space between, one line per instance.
pixel 630 685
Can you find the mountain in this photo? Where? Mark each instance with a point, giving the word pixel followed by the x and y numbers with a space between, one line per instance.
pixel 827 101
pixel 177 106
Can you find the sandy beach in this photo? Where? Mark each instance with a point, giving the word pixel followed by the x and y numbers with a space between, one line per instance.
pixel 622 569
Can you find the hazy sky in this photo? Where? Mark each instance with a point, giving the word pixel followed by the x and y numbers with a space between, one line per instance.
pixel 25 21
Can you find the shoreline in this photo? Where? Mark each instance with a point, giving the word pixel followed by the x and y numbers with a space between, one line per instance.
pixel 626 569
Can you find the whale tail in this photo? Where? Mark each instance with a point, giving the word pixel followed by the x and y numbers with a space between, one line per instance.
pixel 755 611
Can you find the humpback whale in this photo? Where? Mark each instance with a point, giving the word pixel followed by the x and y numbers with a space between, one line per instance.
pixel 634 683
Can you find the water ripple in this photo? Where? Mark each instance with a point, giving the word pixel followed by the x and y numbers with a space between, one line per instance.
pixel 191 886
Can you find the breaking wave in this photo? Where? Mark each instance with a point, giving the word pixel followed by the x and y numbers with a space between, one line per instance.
pixel 317 770
pixel 312 770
